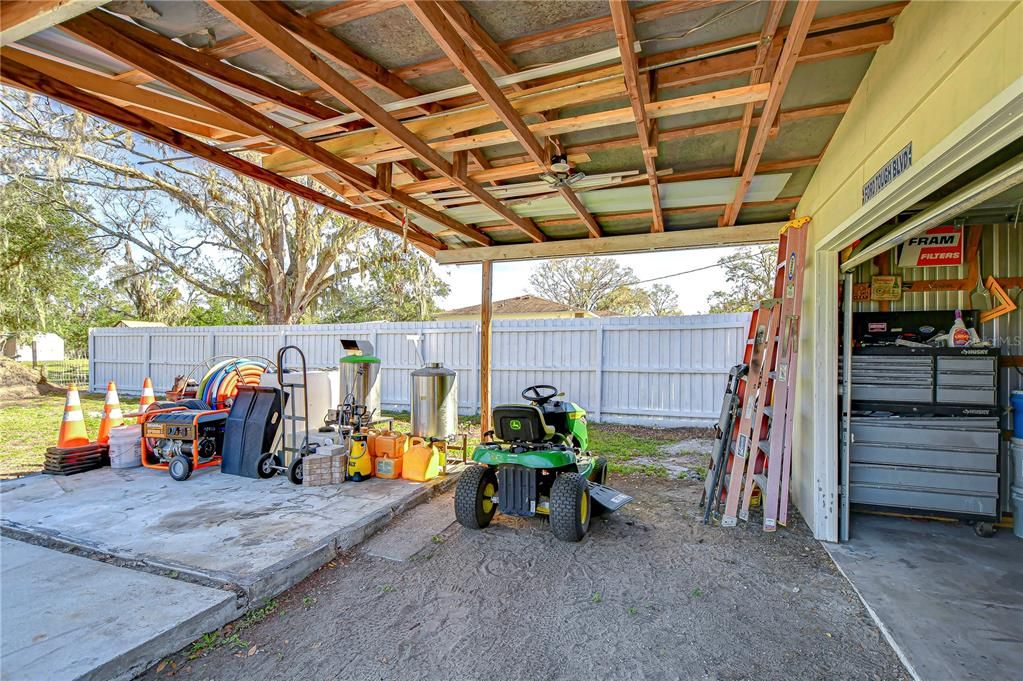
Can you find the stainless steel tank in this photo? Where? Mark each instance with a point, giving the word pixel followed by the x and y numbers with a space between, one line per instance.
pixel 434 401
pixel 360 377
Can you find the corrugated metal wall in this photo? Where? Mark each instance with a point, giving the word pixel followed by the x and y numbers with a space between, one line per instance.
pixel 1002 256
pixel 668 371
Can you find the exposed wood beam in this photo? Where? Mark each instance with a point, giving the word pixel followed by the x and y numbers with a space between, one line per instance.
pixel 686 132
pixel 67 94
pixel 786 64
pixel 639 95
pixel 251 18
pixel 600 119
pixel 625 216
pixel 816 48
pixel 454 123
pixel 139 56
pixel 349 192
pixel 503 173
pixel 124 94
pixel 582 29
pixel 433 19
pixel 712 237
pixel 838 21
pixel 771 21
pixel 212 67
pixel 333 47
pixel 22 18
pixel 479 38
pixel 328 17
pixel 726 171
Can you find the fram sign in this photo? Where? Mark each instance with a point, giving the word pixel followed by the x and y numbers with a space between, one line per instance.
pixel 938 247
pixel 897 165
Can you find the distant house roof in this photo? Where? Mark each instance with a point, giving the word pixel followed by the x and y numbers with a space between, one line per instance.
pixel 137 324
pixel 526 304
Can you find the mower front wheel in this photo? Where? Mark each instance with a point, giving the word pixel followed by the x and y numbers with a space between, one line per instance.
pixel 570 507
pixel 474 504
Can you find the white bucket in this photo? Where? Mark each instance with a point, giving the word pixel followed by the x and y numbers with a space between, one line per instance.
pixel 1017 511
pixel 1016 461
pixel 126 447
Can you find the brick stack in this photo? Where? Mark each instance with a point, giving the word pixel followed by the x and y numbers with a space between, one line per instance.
pixel 326 467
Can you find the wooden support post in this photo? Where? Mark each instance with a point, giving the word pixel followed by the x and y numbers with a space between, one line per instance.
pixel 486 314
pixel 384 177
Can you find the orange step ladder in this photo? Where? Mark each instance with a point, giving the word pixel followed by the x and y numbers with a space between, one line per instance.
pixel 762 449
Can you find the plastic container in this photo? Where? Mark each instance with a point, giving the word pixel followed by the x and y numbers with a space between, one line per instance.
pixel 1017 511
pixel 126 447
pixel 1016 400
pixel 391 445
pixel 389 469
pixel 422 461
pixel 1016 461
pixel 371 440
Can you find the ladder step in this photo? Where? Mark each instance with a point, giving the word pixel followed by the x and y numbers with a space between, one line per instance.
pixel 765 445
pixel 769 411
pixel 761 481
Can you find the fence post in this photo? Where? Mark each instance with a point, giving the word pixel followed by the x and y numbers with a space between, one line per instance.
pixel 598 379
pixel 211 345
pixel 149 355
pixel 91 348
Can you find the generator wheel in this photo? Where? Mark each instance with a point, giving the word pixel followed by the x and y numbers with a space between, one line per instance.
pixel 267 465
pixel 474 507
pixel 295 471
pixel 180 467
pixel 570 507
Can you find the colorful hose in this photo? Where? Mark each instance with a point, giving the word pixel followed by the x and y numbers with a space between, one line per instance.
pixel 220 383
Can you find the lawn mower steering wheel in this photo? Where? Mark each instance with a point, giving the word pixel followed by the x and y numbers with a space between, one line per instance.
pixel 533 394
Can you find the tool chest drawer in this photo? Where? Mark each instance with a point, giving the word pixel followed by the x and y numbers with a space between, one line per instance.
pixel 968 363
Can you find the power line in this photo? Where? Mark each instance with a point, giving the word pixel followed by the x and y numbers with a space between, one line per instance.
pixel 676 274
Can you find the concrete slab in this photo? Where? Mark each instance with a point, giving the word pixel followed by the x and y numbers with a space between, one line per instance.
pixel 414 531
pixel 67 617
pixel 260 535
pixel 950 602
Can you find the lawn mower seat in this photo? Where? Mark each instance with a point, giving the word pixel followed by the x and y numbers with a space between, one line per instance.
pixel 521 423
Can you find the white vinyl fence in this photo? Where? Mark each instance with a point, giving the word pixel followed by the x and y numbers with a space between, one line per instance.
pixel 666 371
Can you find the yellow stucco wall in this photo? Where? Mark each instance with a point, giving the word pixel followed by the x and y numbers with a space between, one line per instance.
pixel 947 60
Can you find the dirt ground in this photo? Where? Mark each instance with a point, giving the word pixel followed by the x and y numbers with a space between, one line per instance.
pixel 650 593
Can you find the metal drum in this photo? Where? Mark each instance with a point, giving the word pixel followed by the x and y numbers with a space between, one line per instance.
pixel 434 402
pixel 360 377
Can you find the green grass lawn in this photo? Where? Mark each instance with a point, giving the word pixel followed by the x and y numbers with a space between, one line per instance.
pixel 29 427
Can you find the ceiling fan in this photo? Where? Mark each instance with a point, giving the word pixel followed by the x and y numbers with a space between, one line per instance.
pixel 561 173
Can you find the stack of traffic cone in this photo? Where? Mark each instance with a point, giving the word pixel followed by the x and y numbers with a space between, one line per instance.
pixel 148 397
pixel 73 453
pixel 112 416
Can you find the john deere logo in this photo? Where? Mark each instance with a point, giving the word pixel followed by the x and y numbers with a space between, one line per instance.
pixel 515 424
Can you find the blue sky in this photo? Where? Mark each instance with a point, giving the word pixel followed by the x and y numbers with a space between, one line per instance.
pixel 512 279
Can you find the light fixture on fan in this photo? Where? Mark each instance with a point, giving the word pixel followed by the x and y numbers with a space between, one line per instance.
pixel 561 173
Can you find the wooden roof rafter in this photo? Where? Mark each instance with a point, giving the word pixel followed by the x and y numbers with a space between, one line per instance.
pixel 771 21
pixel 121 47
pixel 434 20
pixel 24 76
pixel 794 39
pixel 251 18
pixel 639 89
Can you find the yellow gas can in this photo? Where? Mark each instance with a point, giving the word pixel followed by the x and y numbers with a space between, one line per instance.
pixel 421 461
pixel 360 463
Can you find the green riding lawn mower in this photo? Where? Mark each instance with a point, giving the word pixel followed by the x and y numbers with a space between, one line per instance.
pixel 535 462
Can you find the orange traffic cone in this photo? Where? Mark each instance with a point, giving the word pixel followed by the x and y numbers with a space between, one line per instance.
pixel 112 416
pixel 72 428
pixel 148 397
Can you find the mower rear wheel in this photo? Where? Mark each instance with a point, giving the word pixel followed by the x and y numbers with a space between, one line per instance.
pixel 599 476
pixel 474 505
pixel 180 467
pixel 570 507
pixel 267 465
pixel 295 471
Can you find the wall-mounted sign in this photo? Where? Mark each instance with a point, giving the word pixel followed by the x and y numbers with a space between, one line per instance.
pixel 889 171
pixel 937 247
pixel 886 287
